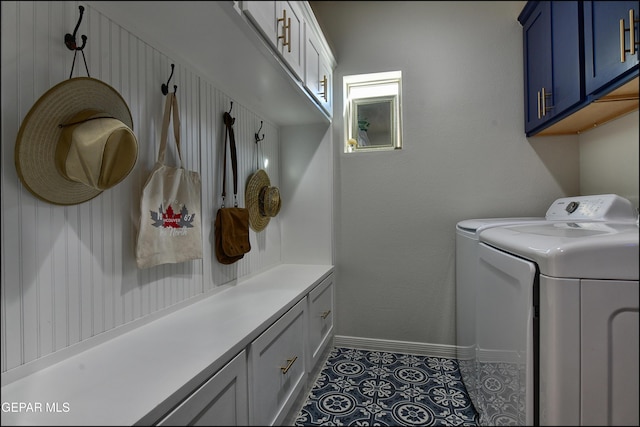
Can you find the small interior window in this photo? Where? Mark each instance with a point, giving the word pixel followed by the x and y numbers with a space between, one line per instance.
pixel 372 114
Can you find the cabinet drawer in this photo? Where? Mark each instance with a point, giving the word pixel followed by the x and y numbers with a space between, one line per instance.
pixel 320 320
pixel 277 367
pixel 221 401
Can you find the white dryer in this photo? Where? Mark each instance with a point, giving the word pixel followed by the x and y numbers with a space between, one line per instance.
pixel 557 318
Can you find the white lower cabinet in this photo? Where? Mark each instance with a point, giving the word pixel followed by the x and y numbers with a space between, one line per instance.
pixel 320 320
pixel 221 401
pixel 277 369
pixel 263 382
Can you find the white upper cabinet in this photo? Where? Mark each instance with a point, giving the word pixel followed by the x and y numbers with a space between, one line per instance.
pixel 234 45
pixel 282 25
pixel 263 16
pixel 292 32
pixel 318 71
pixel 290 39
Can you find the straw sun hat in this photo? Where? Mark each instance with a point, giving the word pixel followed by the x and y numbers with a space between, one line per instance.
pixel 262 200
pixel 75 142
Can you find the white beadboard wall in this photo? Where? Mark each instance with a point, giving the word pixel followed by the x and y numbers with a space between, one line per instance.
pixel 68 273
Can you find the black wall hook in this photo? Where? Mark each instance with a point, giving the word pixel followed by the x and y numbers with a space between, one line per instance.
pixel 228 120
pixel 70 39
pixel 258 139
pixel 165 87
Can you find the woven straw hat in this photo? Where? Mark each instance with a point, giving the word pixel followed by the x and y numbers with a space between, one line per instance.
pixel 75 142
pixel 262 200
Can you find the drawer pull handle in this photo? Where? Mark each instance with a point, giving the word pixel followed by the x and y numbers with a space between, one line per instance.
pixel 325 314
pixel 290 363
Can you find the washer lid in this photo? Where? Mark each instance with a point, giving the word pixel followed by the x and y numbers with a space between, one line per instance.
pixel 588 250
pixel 477 225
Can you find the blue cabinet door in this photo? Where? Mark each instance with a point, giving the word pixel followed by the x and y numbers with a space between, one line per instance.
pixel 537 63
pixel 568 56
pixel 553 61
pixel 604 68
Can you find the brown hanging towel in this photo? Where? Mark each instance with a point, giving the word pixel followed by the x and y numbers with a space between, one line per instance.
pixel 231 227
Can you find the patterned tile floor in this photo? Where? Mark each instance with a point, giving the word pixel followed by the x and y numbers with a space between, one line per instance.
pixel 375 388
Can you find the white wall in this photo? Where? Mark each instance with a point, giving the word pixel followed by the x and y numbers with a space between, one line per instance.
pixel 464 156
pixel 68 273
pixel 609 158
pixel 307 230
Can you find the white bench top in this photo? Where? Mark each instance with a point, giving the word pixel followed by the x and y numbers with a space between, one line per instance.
pixel 138 376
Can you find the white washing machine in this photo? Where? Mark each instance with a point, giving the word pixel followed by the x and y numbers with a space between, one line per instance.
pixel 467 244
pixel 557 318
pixel 467 235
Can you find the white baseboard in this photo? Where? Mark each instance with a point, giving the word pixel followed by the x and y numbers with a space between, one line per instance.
pixel 435 350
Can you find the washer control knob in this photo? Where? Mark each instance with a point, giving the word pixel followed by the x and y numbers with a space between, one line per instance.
pixel 571 207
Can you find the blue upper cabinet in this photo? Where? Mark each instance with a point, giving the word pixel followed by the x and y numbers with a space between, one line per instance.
pixel 610 43
pixel 577 54
pixel 552 60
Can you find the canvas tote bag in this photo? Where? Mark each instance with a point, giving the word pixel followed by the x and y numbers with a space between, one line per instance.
pixel 170 229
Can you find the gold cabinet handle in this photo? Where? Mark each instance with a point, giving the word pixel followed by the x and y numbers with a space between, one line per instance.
pixel 289 35
pixel 324 85
pixel 622 50
pixel 622 40
pixel 290 363
pixel 286 30
pixel 632 32
pixel 632 36
pixel 325 314
pixel 544 97
pixel 539 104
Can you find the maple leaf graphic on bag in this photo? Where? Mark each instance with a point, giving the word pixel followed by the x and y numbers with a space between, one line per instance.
pixel 186 219
pixel 157 217
pixel 169 219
